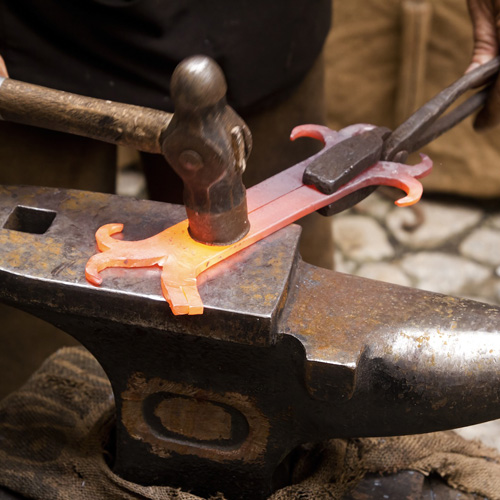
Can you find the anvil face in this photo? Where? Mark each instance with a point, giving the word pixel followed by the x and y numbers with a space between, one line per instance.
pixel 47 237
pixel 285 353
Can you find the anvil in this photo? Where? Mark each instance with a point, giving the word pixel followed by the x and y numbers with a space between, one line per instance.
pixel 285 352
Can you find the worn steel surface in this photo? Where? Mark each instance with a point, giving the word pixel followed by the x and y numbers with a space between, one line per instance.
pixel 205 141
pixel 286 353
pixel 345 160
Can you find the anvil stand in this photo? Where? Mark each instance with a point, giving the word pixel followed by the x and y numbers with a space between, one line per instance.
pixel 285 353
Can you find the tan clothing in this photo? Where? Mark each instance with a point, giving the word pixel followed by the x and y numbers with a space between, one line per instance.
pixel 385 58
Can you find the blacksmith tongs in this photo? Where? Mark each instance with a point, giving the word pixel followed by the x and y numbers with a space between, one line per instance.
pixel 348 158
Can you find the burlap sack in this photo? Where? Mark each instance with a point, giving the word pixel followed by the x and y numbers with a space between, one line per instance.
pixel 53 433
pixel 385 58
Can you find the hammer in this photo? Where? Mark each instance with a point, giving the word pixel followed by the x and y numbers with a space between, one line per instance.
pixel 205 141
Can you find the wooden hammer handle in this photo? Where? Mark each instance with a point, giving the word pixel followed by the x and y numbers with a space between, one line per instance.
pixel 108 121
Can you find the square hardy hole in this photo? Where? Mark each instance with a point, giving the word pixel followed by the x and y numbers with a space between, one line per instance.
pixel 30 220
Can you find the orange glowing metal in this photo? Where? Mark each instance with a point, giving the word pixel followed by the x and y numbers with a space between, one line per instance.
pixel 272 204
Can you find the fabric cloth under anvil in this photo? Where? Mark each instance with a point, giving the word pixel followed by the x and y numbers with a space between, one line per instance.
pixel 54 429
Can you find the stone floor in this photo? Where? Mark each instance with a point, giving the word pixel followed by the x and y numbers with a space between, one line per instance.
pixel 445 245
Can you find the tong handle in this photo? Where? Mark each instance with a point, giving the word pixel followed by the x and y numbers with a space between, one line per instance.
pixel 448 121
pixel 423 126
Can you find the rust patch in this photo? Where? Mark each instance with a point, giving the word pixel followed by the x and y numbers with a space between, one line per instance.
pixel 136 420
pixel 195 419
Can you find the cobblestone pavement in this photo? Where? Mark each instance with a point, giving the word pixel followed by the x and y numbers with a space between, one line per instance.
pixel 449 246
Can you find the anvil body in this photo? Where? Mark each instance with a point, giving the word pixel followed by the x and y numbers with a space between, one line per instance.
pixel 285 353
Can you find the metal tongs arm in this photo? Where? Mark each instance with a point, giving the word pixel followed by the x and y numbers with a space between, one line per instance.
pixel 427 123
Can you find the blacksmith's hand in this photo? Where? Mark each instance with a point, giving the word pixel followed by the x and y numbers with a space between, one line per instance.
pixel 3 68
pixel 485 16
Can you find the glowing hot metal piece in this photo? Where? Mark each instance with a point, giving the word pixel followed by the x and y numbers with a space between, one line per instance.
pixel 272 205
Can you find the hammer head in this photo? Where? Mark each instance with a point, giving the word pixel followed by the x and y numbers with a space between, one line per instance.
pixel 208 144
pixel 198 82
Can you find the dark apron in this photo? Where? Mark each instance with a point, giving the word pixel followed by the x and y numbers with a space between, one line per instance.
pixel 126 50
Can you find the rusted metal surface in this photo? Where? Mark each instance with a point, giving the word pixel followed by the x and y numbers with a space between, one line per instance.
pixel 406 485
pixel 205 141
pixel 414 356
pixel 61 252
pixel 286 353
